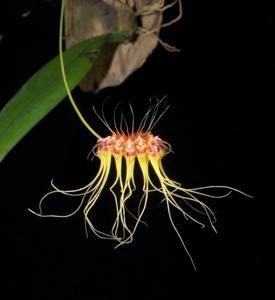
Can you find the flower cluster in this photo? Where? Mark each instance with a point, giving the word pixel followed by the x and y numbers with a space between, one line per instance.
pixel 127 152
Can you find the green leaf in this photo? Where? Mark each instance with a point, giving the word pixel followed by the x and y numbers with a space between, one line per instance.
pixel 45 89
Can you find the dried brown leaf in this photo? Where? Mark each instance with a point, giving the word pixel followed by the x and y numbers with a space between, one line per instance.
pixel 88 18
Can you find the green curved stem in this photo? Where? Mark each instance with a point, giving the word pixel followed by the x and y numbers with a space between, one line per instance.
pixel 64 77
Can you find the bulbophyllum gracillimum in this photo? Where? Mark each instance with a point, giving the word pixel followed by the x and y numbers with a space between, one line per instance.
pixel 126 151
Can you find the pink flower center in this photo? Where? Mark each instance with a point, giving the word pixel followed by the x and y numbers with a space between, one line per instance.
pixel 132 145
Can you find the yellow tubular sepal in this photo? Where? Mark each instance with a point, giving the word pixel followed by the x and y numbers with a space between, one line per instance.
pixel 64 77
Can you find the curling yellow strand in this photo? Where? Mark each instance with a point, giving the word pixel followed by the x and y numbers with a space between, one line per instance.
pixel 64 77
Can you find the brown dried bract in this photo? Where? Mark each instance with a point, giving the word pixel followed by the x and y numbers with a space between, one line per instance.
pixel 142 19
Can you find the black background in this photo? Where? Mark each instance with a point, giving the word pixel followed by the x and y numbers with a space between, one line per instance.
pixel 220 88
